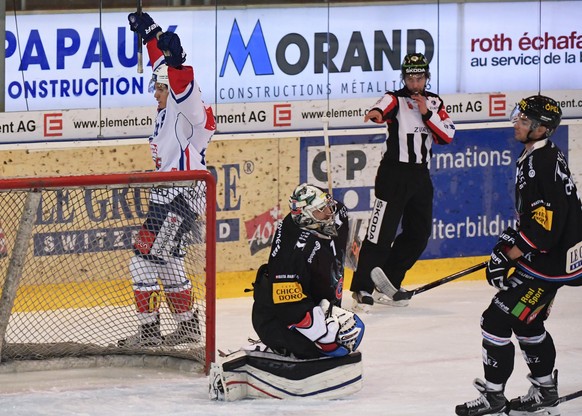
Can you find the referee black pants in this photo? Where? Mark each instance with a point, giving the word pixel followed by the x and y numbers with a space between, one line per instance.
pixel 404 194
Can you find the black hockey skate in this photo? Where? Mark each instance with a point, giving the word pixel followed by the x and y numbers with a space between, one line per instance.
pixel 488 403
pixel 363 302
pixel 539 400
pixel 385 289
pixel 363 297
pixel 149 335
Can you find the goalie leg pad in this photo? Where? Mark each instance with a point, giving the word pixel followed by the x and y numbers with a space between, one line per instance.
pixel 256 374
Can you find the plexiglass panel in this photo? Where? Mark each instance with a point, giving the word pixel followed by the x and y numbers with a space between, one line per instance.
pixel 264 54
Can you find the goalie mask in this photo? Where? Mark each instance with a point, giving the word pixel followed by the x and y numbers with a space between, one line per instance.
pixel 541 111
pixel 313 209
pixel 160 76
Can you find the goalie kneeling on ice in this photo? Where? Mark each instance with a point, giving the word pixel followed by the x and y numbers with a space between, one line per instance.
pixel 258 374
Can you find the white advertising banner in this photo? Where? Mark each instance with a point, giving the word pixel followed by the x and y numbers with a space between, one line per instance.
pixel 137 122
pixel 285 68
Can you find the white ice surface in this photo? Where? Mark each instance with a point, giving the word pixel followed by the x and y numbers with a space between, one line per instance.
pixel 418 360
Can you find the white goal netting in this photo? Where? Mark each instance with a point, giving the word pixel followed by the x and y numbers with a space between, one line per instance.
pixel 65 251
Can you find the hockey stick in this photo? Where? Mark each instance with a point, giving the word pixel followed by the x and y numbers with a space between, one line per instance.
pixel 570 396
pixel 327 153
pixel 139 45
pixel 401 295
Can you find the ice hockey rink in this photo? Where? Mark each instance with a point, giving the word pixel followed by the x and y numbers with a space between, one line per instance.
pixel 418 360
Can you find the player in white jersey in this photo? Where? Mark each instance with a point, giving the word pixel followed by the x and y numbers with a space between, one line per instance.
pixel 184 126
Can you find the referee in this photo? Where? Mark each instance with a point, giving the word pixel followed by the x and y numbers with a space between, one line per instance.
pixel 416 119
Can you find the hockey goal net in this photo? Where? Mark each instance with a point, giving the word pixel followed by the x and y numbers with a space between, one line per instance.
pixel 65 248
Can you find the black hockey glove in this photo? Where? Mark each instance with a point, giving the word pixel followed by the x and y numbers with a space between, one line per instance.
pixel 506 239
pixel 498 268
pixel 169 43
pixel 143 25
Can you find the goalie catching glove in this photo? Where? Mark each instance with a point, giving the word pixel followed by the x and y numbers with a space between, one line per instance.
pixel 336 335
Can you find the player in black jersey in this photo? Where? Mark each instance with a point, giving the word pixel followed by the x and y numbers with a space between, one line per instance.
pixel 546 251
pixel 296 291
pixel 416 118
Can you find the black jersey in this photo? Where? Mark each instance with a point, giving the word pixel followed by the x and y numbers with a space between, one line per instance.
pixel 304 267
pixel 549 215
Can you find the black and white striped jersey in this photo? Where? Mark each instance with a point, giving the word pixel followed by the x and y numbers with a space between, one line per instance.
pixel 410 134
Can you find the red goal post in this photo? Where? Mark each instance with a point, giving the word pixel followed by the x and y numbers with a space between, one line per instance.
pixel 65 248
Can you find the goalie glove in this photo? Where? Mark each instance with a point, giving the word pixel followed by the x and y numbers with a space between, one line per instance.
pixel 329 343
pixel 351 327
pixel 322 331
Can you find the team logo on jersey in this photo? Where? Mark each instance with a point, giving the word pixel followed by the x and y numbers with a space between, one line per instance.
pixel 543 217
pixel 287 292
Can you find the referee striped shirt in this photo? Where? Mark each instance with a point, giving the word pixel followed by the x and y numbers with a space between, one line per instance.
pixel 410 134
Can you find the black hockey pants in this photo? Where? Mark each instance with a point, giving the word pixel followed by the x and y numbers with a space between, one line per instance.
pixel 522 311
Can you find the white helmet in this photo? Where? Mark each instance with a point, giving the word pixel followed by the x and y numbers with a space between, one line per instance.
pixel 160 76
pixel 305 200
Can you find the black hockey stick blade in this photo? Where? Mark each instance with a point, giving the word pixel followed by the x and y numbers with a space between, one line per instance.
pixel 570 396
pixel 401 295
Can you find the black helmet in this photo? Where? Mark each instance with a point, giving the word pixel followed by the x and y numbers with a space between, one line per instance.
pixel 540 109
pixel 415 63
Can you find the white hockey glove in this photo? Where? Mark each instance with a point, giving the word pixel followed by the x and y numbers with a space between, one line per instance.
pixel 322 331
pixel 351 327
